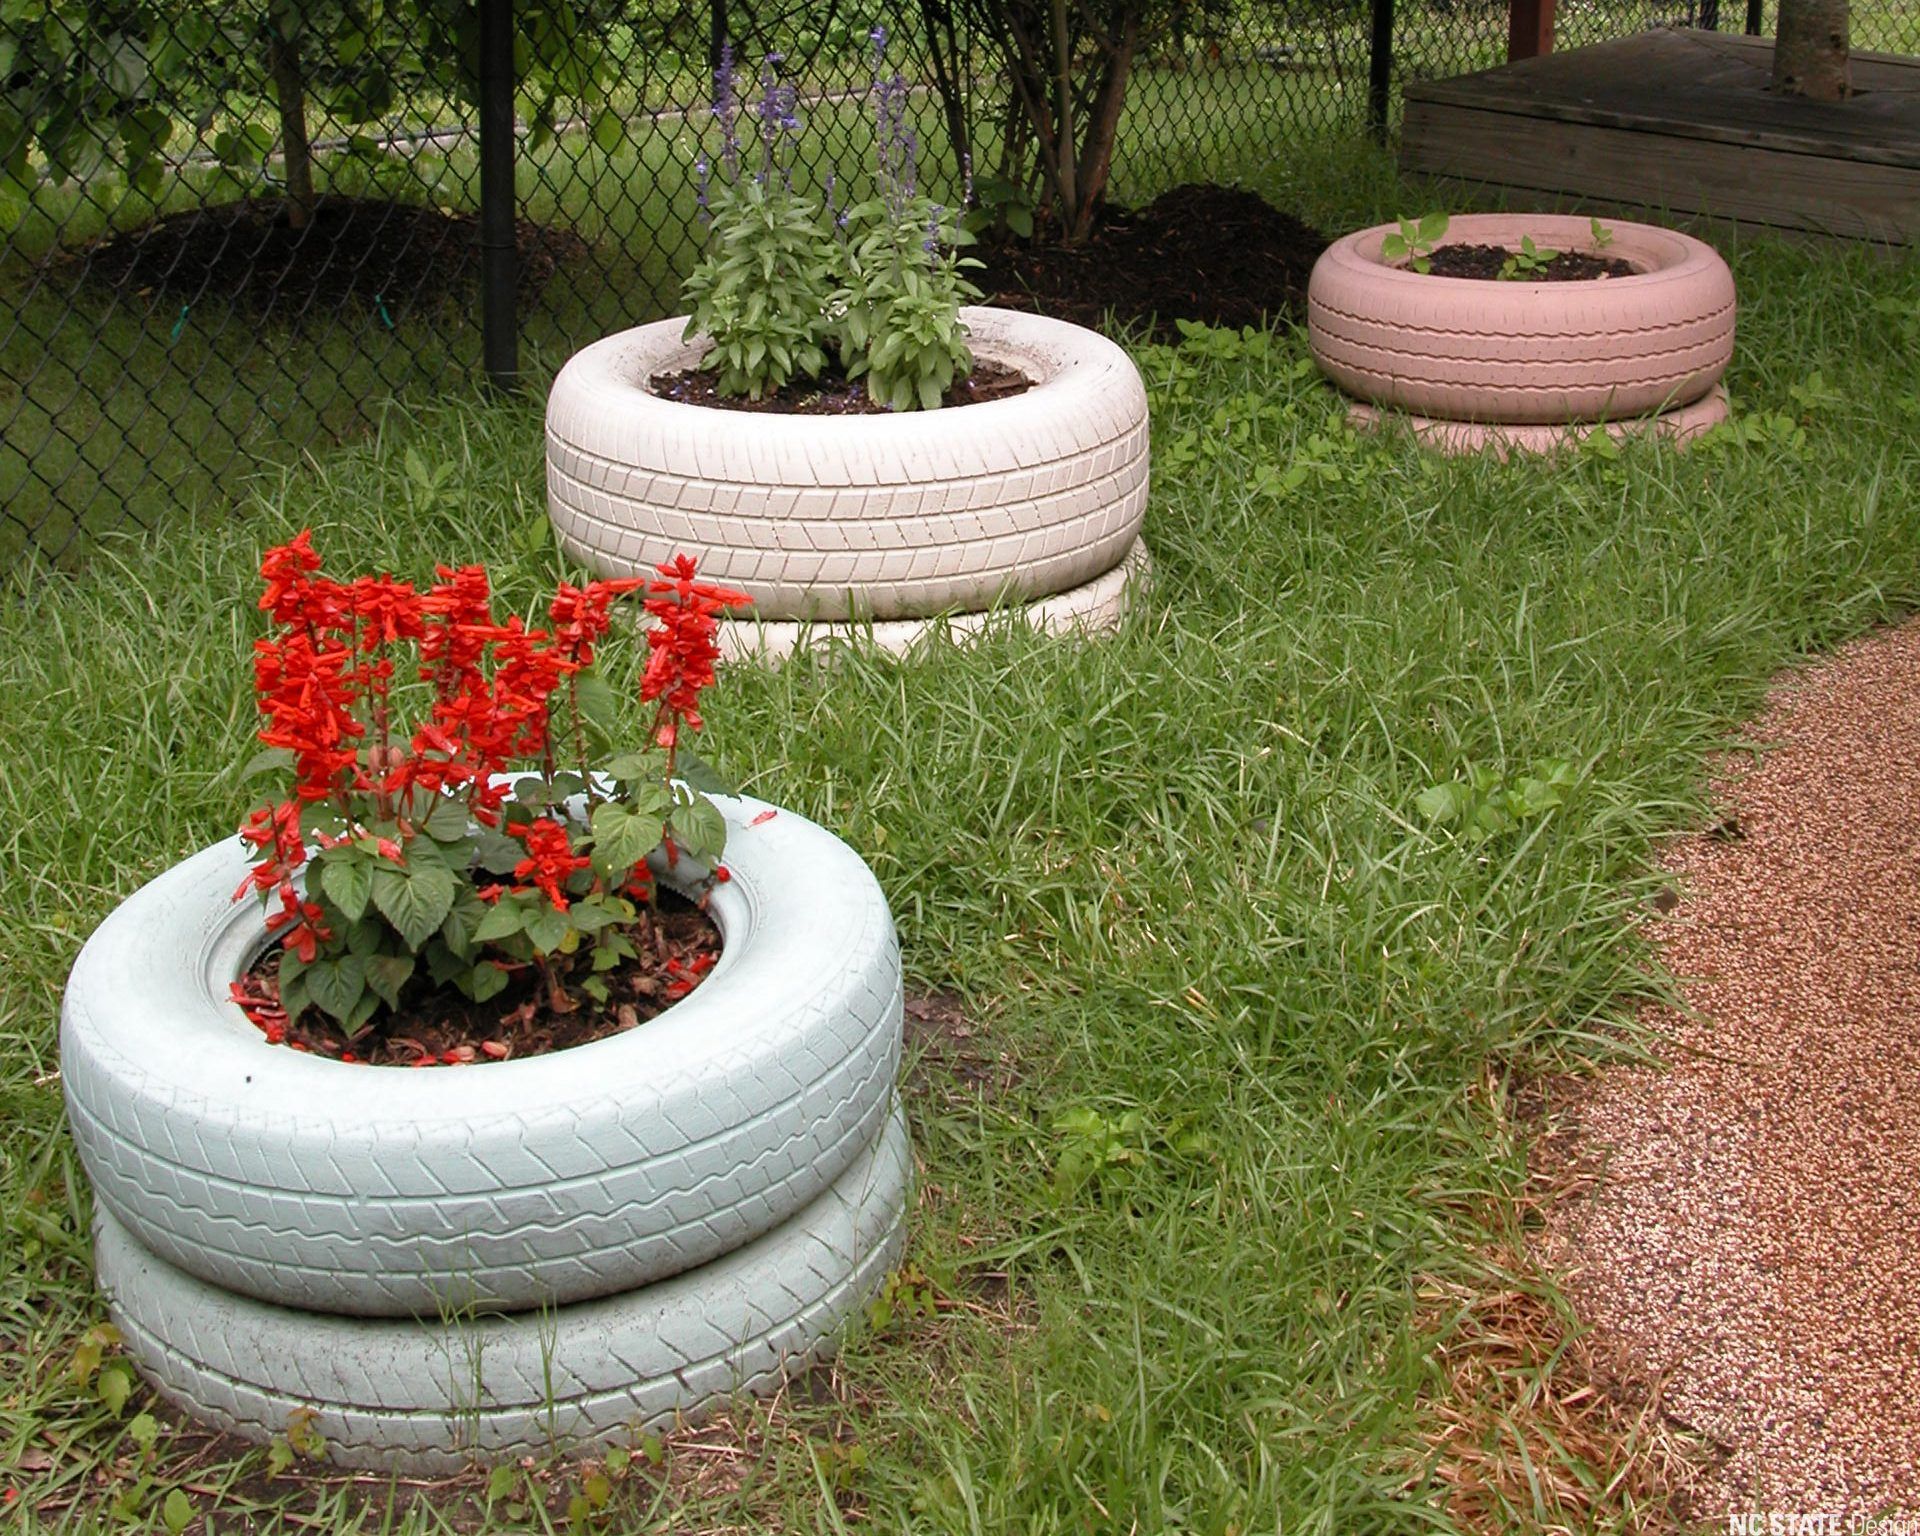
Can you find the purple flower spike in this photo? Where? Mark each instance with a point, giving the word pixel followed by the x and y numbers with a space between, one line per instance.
pixel 931 245
pixel 727 109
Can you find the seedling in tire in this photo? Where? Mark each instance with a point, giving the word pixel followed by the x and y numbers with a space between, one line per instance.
pixel 1413 243
pixel 1526 261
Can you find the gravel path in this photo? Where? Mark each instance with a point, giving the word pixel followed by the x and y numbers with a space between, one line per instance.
pixel 1754 1239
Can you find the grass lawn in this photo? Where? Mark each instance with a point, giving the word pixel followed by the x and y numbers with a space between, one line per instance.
pixel 1243 1028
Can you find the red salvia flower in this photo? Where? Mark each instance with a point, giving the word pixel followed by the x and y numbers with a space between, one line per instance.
pixel 550 859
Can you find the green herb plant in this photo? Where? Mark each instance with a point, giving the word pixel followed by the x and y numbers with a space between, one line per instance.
pixel 1413 242
pixel 1526 262
pixel 764 289
pixel 786 281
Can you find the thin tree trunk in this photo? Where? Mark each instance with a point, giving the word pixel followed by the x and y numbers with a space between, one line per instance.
pixel 1063 128
pixel 1810 50
pixel 1103 126
pixel 290 96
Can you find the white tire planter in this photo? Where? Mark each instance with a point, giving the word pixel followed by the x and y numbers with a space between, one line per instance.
pixel 1471 350
pixel 385 1192
pixel 428 1397
pixel 1095 607
pixel 897 516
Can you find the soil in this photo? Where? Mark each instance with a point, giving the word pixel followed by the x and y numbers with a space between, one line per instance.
pixel 1486 262
pixel 833 393
pixel 363 251
pixel 1217 255
pixel 677 943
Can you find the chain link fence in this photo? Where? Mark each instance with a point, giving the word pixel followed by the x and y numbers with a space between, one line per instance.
pixel 229 231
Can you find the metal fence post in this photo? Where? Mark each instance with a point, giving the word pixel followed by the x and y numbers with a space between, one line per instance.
pixel 499 324
pixel 1380 69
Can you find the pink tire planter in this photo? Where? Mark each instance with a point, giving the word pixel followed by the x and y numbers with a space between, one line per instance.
pixel 1521 361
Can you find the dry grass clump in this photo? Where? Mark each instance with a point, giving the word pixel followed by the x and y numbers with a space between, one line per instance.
pixel 1533 1423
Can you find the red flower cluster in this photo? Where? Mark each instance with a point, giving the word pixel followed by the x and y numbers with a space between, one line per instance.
pixel 550 859
pixel 683 646
pixel 325 674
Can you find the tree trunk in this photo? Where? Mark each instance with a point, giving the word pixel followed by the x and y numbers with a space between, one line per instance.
pixel 1102 128
pixel 1810 50
pixel 290 95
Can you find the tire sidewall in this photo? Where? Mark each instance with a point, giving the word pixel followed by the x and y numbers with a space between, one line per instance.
pixel 1526 332
pixel 908 470
pixel 153 1048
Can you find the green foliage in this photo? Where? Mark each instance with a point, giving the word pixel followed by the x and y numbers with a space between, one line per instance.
pixel 900 326
pixel 1602 236
pixel 1527 261
pixel 1481 804
pixel 762 291
pixel 103 88
pixel 1416 241
pixel 1181 872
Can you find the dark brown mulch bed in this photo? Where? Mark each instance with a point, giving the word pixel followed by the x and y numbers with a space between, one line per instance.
pixel 677 943
pixel 360 251
pixel 1212 254
pixel 1486 262
pixel 832 394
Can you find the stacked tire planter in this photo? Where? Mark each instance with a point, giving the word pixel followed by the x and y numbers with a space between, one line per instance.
pixel 488 1260
pixel 1469 363
pixel 901 521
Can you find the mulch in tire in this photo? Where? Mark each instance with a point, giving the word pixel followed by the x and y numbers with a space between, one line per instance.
pixel 1217 255
pixel 373 254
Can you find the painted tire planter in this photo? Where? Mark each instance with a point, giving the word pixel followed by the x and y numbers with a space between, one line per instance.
pixel 381 1192
pixel 899 516
pixel 1469 350
pixel 428 1397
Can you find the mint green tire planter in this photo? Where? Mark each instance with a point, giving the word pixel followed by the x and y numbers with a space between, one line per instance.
pixel 381 1192
pixel 400 1395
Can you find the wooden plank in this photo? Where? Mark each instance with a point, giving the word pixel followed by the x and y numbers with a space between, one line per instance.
pixel 1711 90
pixel 1529 29
pixel 1832 195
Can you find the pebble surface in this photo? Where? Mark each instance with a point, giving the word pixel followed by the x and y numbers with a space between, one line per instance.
pixel 1752 1239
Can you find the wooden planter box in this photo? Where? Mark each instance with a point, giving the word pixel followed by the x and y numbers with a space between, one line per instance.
pixel 1682 121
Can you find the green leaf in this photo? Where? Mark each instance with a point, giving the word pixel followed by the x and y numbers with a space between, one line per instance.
pixel 598 700
pixel 346 875
pixel 497 852
pixel 609 132
pixel 698 829
pixel 448 821
pixel 279 1456
pixel 1433 226
pixel 176 1511
pixel 415 899
pixel 115 1383
pixel 484 981
pixel 507 917
pixel 268 760
pixel 337 984
pixel 143 1429
pixel 547 929
pixel 457 933
pixel 387 974
pixel 622 837
pixel 1443 802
